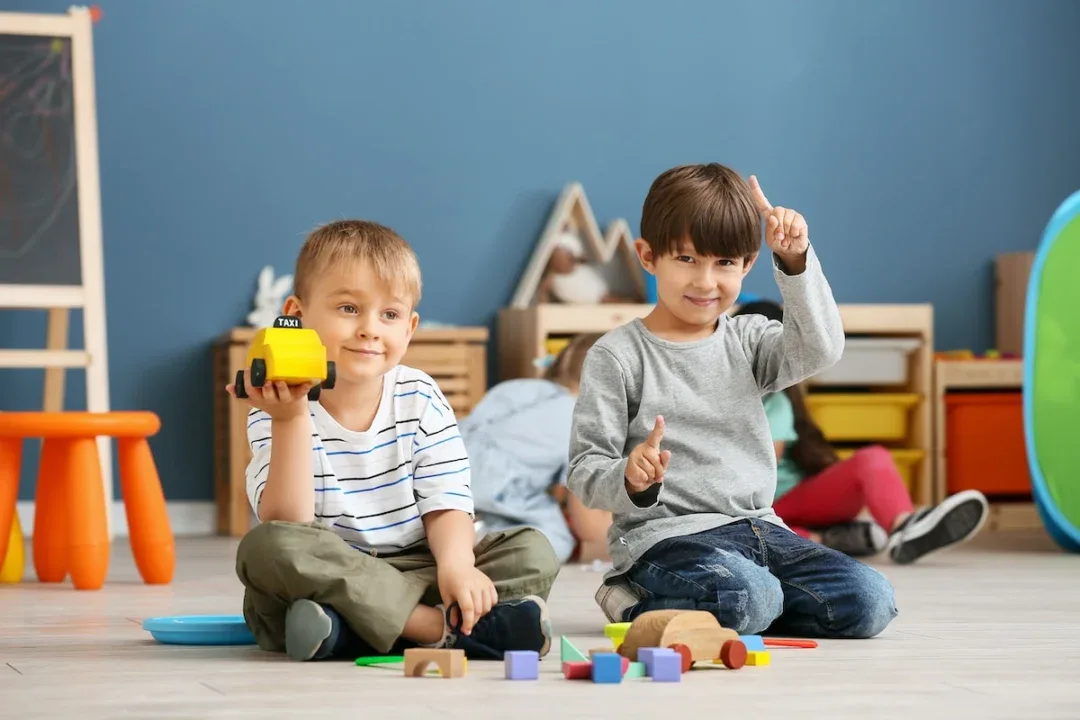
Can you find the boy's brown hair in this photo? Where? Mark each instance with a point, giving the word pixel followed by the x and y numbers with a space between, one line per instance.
pixel 391 258
pixel 708 204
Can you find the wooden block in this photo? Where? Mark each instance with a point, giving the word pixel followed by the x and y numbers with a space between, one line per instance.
pixel 577 670
pixel 569 653
pixel 451 663
pixel 758 657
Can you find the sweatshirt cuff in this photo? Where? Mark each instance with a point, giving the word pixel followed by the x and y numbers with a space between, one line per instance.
pixel 812 266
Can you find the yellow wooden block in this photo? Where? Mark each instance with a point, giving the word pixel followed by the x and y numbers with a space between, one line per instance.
pixel 757 657
pixel 616 632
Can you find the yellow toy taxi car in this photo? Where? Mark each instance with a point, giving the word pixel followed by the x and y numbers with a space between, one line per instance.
pixel 289 352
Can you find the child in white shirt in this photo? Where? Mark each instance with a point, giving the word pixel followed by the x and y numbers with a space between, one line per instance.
pixel 366 542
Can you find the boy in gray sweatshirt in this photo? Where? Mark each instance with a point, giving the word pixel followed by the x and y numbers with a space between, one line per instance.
pixel 670 434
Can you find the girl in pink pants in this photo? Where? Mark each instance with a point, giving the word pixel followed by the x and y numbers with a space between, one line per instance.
pixel 826 499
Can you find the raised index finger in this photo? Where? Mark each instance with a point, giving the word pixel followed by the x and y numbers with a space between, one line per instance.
pixel 657 433
pixel 763 204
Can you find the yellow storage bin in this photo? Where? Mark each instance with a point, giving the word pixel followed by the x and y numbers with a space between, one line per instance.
pixel 906 460
pixel 863 416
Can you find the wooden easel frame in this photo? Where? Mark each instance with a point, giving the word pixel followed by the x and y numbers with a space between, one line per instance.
pixel 89 296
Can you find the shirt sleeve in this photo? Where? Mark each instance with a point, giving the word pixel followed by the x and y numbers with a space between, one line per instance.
pixel 440 462
pixel 781 417
pixel 811 338
pixel 258 469
pixel 598 435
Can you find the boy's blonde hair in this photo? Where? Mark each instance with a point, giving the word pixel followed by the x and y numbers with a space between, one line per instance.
pixel 391 258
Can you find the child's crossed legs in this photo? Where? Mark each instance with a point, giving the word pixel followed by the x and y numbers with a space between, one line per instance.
pixel 757 577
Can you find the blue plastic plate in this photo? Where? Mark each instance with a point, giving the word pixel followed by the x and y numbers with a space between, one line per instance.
pixel 200 630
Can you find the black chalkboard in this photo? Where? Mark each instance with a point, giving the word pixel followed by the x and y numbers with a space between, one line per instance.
pixel 39 222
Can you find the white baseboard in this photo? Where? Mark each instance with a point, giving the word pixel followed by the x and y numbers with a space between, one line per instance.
pixel 187 517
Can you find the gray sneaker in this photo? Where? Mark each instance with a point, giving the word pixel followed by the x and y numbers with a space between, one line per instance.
pixel 616 599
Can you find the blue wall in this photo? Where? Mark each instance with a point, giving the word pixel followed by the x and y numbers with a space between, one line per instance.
pixel 919 138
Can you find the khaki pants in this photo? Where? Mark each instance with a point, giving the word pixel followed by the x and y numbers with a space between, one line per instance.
pixel 280 562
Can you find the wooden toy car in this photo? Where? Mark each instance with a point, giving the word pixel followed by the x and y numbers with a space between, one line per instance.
pixel 287 351
pixel 694 634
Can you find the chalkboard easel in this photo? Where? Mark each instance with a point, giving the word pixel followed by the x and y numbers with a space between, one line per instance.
pixel 50 201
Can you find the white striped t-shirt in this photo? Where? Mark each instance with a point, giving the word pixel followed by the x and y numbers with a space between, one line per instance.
pixel 372 487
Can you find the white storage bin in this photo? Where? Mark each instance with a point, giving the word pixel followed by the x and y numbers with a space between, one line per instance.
pixel 871 361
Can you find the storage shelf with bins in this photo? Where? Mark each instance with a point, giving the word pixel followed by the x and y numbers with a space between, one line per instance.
pixel 896 415
pixel 979 436
pixel 879 392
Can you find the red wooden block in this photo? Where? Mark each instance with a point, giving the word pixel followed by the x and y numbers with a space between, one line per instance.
pixel 578 670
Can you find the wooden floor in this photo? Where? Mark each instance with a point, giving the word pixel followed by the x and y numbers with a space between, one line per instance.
pixel 990 631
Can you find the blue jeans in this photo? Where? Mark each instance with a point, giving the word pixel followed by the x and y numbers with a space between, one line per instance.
pixel 757 577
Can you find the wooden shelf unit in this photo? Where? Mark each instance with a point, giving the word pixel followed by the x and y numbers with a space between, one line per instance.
pixel 914 321
pixel 524 332
pixel 993 375
pixel 456 358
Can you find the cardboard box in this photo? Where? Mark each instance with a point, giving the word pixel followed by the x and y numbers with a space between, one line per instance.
pixel 1011 273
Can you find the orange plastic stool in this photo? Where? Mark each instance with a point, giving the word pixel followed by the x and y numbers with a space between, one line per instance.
pixel 70 527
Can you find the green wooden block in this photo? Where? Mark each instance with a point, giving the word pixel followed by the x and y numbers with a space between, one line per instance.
pixel 636 670
pixel 569 653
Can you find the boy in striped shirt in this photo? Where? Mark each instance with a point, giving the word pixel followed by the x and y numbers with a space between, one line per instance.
pixel 366 543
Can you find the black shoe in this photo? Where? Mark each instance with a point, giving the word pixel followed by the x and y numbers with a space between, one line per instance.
pixel 513 625
pixel 957 519
pixel 858 538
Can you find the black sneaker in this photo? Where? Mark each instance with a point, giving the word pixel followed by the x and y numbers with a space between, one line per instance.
pixel 957 519
pixel 858 538
pixel 513 625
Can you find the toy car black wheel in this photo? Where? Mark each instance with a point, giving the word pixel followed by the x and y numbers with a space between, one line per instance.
pixel 258 372
pixel 331 375
pixel 241 391
pixel 313 393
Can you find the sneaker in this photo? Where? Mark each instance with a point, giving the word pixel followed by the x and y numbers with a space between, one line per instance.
pixel 956 520
pixel 858 538
pixel 512 625
pixel 615 600
pixel 311 630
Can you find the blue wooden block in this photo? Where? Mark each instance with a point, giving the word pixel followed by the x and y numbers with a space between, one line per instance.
pixel 647 655
pixel 522 664
pixel 667 667
pixel 607 668
pixel 753 642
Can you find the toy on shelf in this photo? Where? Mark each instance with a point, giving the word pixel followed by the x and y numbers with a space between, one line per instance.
pixel 695 635
pixel 1051 388
pixel 289 352
pixel 562 269
pixel 451 663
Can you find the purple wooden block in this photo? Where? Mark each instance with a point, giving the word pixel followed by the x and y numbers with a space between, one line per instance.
pixel 522 665
pixel 667 667
pixel 646 656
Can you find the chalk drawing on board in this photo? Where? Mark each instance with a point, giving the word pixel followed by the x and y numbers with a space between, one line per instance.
pixel 38 204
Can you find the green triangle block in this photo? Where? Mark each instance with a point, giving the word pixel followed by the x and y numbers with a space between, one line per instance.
pixel 569 653
pixel 636 670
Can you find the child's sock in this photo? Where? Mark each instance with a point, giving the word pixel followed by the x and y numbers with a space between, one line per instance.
pixel 858 538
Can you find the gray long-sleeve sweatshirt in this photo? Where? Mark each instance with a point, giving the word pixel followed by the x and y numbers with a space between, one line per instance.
pixel 709 391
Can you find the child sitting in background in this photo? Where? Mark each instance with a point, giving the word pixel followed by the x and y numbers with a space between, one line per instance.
pixel 517 439
pixel 815 489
